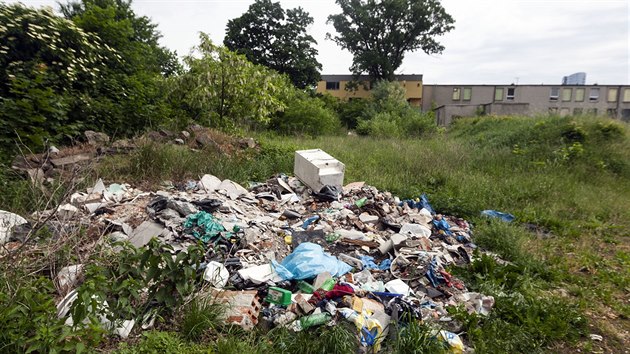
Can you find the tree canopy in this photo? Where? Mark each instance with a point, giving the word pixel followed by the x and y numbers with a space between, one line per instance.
pixel 378 33
pixel 223 89
pixel 268 35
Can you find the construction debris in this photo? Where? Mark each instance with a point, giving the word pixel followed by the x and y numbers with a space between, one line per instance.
pixel 279 255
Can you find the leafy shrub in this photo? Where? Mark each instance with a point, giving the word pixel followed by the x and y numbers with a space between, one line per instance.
pixel 306 115
pixel 388 114
pixel 223 89
pixel 122 281
pixel 28 318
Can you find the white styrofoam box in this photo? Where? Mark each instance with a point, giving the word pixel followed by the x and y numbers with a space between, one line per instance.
pixel 316 169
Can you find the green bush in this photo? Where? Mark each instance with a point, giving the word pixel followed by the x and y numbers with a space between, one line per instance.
pixel 306 115
pixel 28 318
pixel 388 114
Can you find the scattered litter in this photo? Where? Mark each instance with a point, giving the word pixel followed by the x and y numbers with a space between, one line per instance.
pixel 300 251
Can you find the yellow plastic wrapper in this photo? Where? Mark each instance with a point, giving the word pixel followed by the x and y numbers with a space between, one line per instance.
pixel 455 343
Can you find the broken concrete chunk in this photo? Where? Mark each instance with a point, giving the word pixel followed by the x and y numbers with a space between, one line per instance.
pixel 210 183
pixel 96 139
pixel 145 232
pixel 183 208
pixel 233 189
pixel 368 219
pixel 69 160
pixel 415 229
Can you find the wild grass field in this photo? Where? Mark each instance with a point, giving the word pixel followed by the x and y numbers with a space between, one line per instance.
pixel 565 179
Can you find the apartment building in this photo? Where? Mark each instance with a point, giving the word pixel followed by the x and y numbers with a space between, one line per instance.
pixel 453 101
pixel 347 87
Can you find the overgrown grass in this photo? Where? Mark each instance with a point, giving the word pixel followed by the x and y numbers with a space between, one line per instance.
pixel 565 179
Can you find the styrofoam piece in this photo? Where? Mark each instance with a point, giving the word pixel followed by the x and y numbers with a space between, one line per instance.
pixel 260 274
pixel 216 274
pixel 315 168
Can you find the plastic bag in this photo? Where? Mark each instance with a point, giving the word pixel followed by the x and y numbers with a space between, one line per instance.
pixel 307 261
pixel 203 226
pixel 208 205
pixel 328 194
pixel 499 215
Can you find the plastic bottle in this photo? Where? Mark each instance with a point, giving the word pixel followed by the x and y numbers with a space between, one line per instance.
pixel 315 320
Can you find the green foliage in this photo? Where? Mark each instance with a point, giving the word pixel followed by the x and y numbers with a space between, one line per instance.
pixel 122 280
pixel 416 338
pixel 223 89
pixel 161 342
pixel 28 318
pixel 268 35
pixel 154 163
pixel 130 93
pixel 352 112
pixel 379 33
pixel 46 63
pixel 101 69
pixel 335 339
pixel 306 115
pixel 200 316
pixel 521 320
pixel 388 114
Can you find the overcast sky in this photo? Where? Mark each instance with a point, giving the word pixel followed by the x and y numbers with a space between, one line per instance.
pixel 494 41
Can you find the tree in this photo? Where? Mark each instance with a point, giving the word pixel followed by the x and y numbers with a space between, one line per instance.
pixel 378 33
pixel 268 35
pixel 46 64
pixel 129 95
pixel 223 89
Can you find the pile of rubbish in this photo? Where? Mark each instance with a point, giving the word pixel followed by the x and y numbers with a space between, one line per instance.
pixel 280 254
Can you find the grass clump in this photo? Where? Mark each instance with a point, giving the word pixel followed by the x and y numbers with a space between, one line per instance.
pixel 200 316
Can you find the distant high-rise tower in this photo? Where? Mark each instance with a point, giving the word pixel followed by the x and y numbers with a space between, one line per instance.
pixel 574 79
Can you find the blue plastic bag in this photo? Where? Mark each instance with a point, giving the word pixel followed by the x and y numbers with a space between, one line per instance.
pixel 368 262
pixel 499 215
pixel 307 261
pixel 419 203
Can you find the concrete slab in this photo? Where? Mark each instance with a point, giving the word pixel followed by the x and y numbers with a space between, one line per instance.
pixel 145 232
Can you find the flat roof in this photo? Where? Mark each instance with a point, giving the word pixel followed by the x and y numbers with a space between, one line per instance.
pixel 346 77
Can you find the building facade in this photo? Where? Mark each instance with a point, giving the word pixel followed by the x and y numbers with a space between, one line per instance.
pixel 345 87
pixel 453 101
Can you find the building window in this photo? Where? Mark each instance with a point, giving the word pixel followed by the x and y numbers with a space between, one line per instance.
pixel 625 115
pixel 611 112
pixel 577 111
pixel 332 85
pixel 594 94
pixel 591 111
pixel 553 110
pixel 467 93
pixel 612 94
pixel 510 93
pixel 554 93
pixel 566 94
pixel 579 95
pixel 456 93
pixel 626 95
pixel 498 94
pixel 564 112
